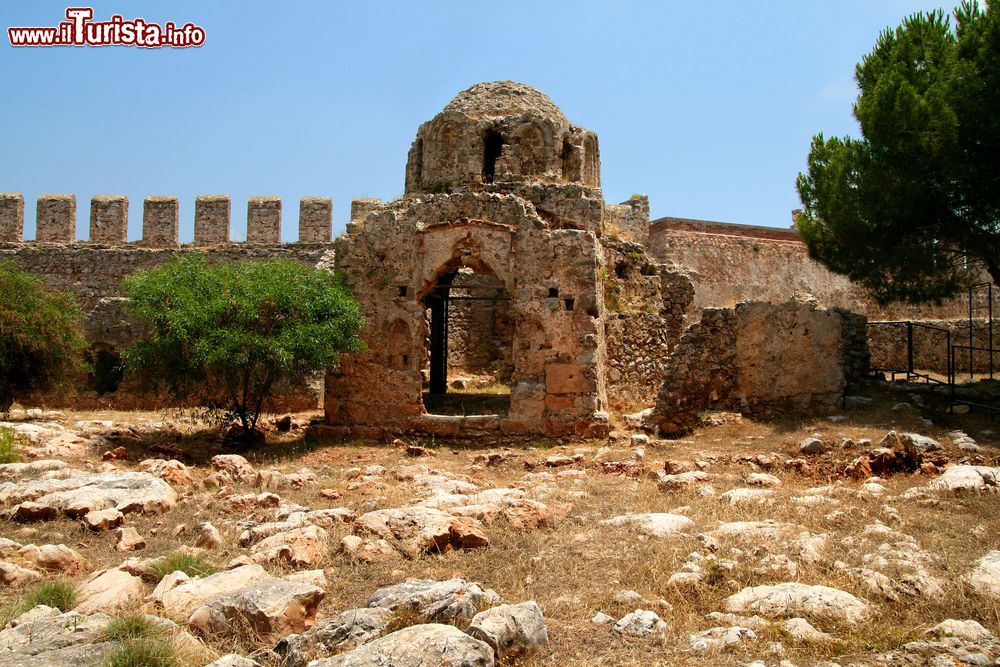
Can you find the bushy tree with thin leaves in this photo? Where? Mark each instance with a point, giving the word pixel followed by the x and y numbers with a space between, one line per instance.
pixel 225 335
pixel 41 339
pixel 912 209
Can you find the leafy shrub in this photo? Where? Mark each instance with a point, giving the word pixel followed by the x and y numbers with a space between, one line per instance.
pixel 8 453
pixel 225 335
pixel 40 335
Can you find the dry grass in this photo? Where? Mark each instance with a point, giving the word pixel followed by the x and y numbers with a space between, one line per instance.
pixel 575 569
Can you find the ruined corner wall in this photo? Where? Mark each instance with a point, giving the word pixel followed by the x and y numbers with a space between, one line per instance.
pixel 644 310
pixel 762 359
pixel 729 268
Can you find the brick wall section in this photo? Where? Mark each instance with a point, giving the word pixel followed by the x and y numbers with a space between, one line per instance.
pixel 55 218
pixel 159 221
pixel 108 219
pixel 264 220
pixel 11 216
pixel 211 219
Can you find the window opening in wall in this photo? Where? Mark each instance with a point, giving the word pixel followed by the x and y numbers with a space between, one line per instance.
pixel 469 365
pixel 492 147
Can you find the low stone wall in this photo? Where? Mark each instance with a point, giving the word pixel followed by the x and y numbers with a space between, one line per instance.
pixel 761 359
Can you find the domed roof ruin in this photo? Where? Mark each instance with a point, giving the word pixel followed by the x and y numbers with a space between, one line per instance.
pixel 499 99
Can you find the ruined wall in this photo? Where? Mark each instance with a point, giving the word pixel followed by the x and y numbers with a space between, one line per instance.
pixel 727 269
pixel 761 359
pixel 481 329
pixel 399 251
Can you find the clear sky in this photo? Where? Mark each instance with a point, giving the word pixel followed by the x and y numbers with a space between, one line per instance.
pixel 707 107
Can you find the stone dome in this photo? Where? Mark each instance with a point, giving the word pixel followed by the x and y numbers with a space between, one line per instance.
pixel 501 135
pixel 500 99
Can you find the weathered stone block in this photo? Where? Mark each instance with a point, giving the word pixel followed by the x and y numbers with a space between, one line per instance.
pixel 566 379
pixel 362 207
pixel 11 216
pixel 159 221
pixel 315 219
pixel 264 220
pixel 108 219
pixel 55 218
pixel 211 219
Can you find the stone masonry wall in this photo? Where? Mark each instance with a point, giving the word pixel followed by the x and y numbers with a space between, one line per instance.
pixel 761 359
pixel 727 269
pixel 888 342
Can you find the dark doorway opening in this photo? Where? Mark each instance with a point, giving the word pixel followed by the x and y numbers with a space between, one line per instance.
pixel 492 147
pixel 470 343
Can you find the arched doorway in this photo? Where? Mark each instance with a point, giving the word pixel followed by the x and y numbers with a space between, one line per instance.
pixel 470 325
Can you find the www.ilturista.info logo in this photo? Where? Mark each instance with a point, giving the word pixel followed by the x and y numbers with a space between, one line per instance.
pixel 80 30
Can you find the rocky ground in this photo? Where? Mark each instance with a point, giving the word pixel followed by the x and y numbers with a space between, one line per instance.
pixel 870 537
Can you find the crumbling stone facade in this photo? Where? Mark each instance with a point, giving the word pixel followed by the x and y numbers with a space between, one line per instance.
pixel 762 359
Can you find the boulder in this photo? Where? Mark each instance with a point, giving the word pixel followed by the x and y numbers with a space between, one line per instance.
pixel 54 558
pixel 81 493
pixel 794 599
pixel 108 590
pixel 129 539
pixel 418 530
pixel 511 629
pixel 418 646
pixel 333 635
pixel 208 537
pixel 171 471
pixel 979 479
pixel 50 636
pixel 969 630
pixel 233 660
pixel 269 608
pixel 985 577
pixel 180 602
pixel 656 524
pixel 236 467
pixel 300 547
pixel 683 480
pixel 811 446
pixel 101 520
pixel 30 469
pixel 717 639
pixel 640 623
pixel 15 575
pixel 434 601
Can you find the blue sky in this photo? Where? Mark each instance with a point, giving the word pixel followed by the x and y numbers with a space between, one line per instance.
pixel 706 107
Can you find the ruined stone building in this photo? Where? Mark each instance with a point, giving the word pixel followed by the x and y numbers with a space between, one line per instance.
pixel 501 260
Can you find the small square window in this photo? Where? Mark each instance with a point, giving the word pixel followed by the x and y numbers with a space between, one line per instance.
pixel 569 303
pixel 403 290
pixel 553 292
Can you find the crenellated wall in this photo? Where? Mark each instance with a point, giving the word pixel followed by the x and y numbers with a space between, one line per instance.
pixel 55 220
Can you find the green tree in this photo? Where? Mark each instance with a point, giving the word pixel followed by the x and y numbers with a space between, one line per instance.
pixel 912 210
pixel 225 335
pixel 41 343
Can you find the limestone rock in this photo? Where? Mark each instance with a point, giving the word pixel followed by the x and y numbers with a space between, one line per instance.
pixel 129 539
pixel 103 519
pixel 716 639
pixel 333 635
pixel 418 530
pixel 969 630
pixel 802 630
pixel 208 537
pixel 985 577
pixel 517 629
pixel 15 575
pixel 85 492
pixel 682 480
pixel 794 599
pixel 366 550
pixel 54 558
pixel 50 637
pixel 418 646
pixel 640 623
pixel 171 471
pixel 237 467
pixel 657 524
pixel 967 478
pixel 107 590
pixel 180 602
pixel 434 601
pixel 30 469
pixel 300 547
pixel 270 608
pixel 811 446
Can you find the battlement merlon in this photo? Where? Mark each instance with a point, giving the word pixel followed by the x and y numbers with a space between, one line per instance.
pixel 108 219
pixel 264 220
pixel 55 218
pixel 11 217
pixel 315 220
pixel 211 219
